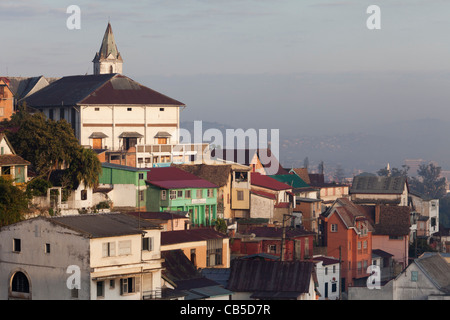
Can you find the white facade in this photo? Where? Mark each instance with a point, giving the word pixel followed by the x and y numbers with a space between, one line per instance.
pixel 328 279
pixel 48 254
pixel 114 120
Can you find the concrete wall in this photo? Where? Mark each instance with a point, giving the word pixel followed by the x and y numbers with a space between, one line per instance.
pixel 364 293
pixel 261 207
pixel 147 120
pixel 46 272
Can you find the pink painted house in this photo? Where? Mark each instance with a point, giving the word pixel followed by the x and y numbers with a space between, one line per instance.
pixel 391 225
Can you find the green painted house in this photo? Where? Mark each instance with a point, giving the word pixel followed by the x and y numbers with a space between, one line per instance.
pixel 124 185
pixel 12 166
pixel 173 189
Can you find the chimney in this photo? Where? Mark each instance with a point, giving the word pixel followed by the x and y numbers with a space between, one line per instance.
pixel 377 213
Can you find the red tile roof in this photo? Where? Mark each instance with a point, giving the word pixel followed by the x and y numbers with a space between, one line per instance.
pixel 264 181
pixel 175 178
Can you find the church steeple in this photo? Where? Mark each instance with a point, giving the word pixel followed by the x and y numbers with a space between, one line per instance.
pixel 108 59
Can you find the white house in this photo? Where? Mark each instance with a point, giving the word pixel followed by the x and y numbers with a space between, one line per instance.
pixel 328 270
pixel 86 257
pixel 108 110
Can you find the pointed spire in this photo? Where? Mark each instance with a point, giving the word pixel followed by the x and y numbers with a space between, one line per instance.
pixel 108 58
pixel 108 46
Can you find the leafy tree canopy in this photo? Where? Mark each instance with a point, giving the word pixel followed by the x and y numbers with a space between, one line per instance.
pixel 50 145
pixel 13 202
pixel 429 182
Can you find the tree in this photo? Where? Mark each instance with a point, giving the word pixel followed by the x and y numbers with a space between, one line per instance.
pixel 394 172
pixel 47 144
pixel 13 203
pixel 51 145
pixel 339 174
pixel 429 182
pixel 85 168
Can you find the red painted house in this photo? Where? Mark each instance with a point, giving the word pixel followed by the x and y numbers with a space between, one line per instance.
pixel 298 244
pixel 347 233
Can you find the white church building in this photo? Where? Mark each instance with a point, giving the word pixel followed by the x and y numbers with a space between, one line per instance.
pixel 108 110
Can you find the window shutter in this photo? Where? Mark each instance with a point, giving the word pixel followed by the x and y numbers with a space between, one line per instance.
pixel 137 284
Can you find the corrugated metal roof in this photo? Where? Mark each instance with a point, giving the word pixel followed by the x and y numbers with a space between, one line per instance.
pixel 12 159
pixel 375 184
pixel 291 179
pixel 102 225
pixel 267 182
pixel 274 232
pixel 102 89
pixel 270 277
pixel 175 178
pixel 191 235
pixel 437 270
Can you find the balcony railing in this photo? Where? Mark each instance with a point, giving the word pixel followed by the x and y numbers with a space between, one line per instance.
pixel 152 294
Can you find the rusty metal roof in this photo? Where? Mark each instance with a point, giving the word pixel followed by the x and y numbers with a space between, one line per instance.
pixel 12 159
pixel 102 89
pixel 191 235
pixel 102 225
pixel 271 279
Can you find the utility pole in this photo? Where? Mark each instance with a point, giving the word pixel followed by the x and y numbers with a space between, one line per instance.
pixel 340 275
pixel 283 236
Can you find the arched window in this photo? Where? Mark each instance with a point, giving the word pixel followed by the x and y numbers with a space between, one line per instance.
pixel 111 69
pixel 20 283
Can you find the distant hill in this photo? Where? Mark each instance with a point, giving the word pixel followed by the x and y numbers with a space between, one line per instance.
pixel 363 151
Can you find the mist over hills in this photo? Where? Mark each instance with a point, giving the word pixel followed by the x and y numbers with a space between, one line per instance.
pixel 366 151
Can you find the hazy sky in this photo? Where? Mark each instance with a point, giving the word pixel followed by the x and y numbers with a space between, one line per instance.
pixel 302 66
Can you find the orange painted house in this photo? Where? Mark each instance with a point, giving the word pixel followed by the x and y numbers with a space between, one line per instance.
pixel 6 99
pixel 347 234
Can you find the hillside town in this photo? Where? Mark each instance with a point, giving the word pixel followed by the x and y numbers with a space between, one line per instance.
pixel 119 207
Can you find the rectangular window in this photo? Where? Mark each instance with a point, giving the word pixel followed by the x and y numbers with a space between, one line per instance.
pixel 180 194
pixel 333 287
pixel 187 194
pixel 129 109
pixel 108 249
pixel 17 245
pixel 210 193
pixel 128 285
pixel 414 276
pixel 47 248
pixel 199 194
pixel 141 175
pixel 83 194
pixel 96 109
pixel 163 194
pixel 100 289
pixel 240 195
pixel 112 283
pixel 147 244
pixel 173 194
pixel 141 195
pixel 161 109
pixel 124 247
pixel 334 228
